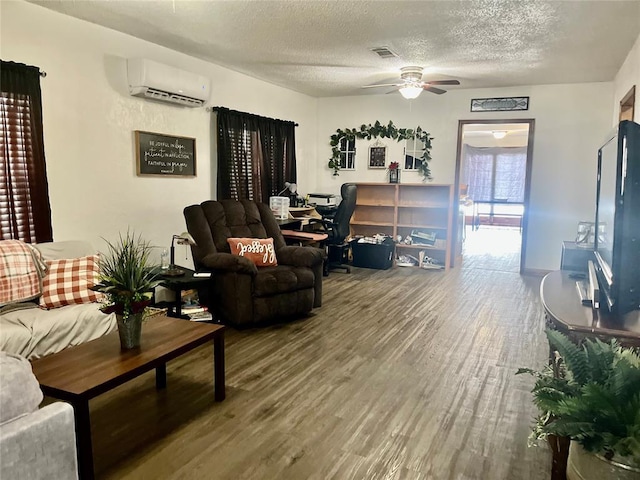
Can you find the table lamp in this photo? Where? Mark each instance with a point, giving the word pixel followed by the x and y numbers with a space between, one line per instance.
pixel 184 238
pixel 292 187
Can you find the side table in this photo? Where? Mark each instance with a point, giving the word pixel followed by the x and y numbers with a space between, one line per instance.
pixel 575 257
pixel 177 285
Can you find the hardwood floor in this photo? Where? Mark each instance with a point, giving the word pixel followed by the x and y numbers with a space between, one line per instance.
pixel 402 374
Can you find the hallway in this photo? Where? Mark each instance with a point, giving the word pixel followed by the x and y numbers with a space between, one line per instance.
pixel 492 248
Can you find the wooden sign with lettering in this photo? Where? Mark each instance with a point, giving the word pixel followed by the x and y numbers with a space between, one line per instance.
pixel 158 154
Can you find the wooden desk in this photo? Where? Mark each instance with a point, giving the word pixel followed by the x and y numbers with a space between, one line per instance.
pixel 303 238
pixel 298 212
pixel 289 223
pixel 565 312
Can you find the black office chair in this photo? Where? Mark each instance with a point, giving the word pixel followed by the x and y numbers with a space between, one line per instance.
pixel 337 229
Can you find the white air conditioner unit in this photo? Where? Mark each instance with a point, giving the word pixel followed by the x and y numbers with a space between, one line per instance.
pixel 155 81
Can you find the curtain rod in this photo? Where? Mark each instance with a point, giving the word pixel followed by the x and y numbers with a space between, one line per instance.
pixel 217 109
pixel 43 73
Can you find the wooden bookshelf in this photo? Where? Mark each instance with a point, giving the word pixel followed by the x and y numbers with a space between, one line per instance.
pixel 399 208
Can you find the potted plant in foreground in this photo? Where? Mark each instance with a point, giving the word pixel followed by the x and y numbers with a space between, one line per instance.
pixel 591 395
pixel 127 279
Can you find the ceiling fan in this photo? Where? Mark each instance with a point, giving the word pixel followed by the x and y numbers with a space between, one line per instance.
pixel 411 84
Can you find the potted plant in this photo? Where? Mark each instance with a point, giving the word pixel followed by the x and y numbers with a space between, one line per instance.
pixel 127 278
pixel 591 395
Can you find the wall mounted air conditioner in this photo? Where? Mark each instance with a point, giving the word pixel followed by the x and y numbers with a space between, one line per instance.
pixel 155 81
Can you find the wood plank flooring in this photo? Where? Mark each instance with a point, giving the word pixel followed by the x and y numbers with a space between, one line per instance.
pixel 402 374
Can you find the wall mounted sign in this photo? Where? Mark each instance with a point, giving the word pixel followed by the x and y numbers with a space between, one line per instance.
pixel 499 104
pixel 158 154
pixel 377 157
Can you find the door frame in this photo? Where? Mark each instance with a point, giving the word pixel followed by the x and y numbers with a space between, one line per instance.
pixel 527 182
pixel 627 105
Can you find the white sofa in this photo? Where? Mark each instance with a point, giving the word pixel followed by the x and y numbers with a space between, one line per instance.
pixel 34 332
pixel 35 443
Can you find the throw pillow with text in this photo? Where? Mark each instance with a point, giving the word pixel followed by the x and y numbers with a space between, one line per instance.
pixel 259 250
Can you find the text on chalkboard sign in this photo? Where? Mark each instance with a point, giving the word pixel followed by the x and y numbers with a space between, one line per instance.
pixel 158 154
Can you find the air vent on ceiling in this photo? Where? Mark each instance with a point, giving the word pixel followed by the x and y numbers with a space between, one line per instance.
pixel 384 52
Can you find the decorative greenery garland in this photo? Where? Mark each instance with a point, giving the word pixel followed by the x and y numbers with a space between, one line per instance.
pixel 385 131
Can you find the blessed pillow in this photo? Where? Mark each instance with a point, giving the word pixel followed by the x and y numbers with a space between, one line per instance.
pixel 259 250
pixel 68 282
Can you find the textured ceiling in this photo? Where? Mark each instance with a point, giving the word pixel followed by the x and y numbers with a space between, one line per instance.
pixel 322 48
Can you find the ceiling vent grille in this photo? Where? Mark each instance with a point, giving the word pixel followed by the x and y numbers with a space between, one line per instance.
pixel 384 52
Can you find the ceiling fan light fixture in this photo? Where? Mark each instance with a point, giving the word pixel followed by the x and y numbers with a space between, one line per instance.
pixel 410 91
pixel 498 134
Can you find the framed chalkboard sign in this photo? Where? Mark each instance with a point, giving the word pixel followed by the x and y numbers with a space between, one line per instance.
pixel 158 154
pixel 377 157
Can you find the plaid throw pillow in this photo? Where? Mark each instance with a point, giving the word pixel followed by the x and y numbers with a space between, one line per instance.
pixel 67 282
pixel 21 272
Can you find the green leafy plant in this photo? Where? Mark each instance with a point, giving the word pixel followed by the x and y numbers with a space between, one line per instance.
pixel 385 131
pixel 591 394
pixel 127 277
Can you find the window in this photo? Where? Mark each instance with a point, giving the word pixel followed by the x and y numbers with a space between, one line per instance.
pixel 495 174
pixel 347 154
pixel 256 155
pixel 413 151
pixel 25 213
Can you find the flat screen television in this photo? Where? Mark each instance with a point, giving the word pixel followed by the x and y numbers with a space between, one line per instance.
pixel 617 239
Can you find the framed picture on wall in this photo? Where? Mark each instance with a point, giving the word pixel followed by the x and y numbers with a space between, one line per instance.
pixel 377 157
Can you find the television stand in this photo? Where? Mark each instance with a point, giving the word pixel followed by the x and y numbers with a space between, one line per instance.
pixel 565 312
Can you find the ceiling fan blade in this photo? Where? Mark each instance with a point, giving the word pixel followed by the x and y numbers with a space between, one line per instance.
pixel 431 89
pixel 384 85
pixel 444 82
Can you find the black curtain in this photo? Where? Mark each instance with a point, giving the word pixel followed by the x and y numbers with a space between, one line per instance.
pixel 25 212
pixel 256 155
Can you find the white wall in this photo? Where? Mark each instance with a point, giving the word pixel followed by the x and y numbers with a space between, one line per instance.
pixel 571 121
pixel 89 120
pixel 627 77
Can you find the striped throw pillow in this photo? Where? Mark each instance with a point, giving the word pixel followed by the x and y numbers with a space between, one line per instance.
pixel 67 282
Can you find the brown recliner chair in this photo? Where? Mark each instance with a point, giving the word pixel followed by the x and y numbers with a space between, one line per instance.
pixel 241 293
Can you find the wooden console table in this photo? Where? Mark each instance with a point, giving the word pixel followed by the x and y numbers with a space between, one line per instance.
pixel 565 312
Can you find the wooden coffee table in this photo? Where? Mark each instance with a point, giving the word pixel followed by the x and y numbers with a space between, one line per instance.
pixel 81 373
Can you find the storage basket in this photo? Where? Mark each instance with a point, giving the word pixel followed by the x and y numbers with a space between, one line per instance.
pixel 373 255
pixel 280 207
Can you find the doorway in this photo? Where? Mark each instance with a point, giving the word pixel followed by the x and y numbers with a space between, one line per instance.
pixel 492 184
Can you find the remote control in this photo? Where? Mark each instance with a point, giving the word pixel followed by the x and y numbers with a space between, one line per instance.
pixel 202 275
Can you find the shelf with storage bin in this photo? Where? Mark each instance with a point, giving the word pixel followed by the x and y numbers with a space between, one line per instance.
pixel 376 204
pixel 370 215
pixel 377 194
pixel 398 209
pixel 428 217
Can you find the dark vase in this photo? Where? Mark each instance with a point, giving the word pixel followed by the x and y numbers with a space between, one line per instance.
pixel 130 331
pixel 394 175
